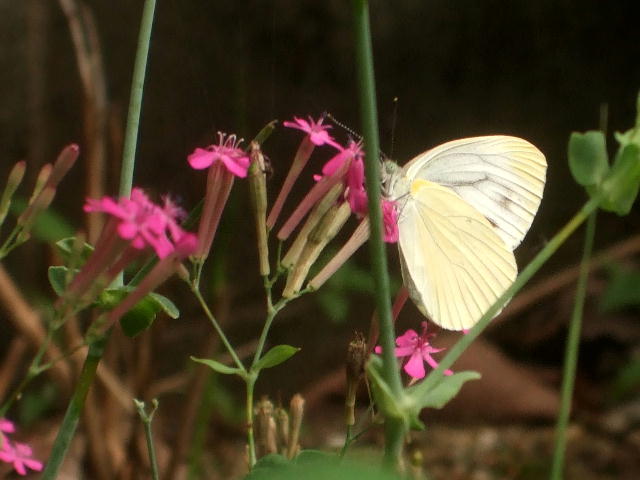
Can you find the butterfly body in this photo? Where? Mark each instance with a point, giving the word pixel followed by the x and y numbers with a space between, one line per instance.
pixel 463 207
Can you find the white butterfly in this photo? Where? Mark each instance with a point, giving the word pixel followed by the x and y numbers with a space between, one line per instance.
pixel 464 206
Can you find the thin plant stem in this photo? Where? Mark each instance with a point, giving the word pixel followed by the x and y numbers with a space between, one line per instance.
pixel 251 443
pixel 571 352
pixel 394 429
pixel 529 271
pixel 148 434
pixel 135 101
pixel 217 328
pixel 72 415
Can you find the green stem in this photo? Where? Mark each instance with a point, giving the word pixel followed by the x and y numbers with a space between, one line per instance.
pixel 394 430
pixel 217 328
pixel 135 102
pixel 571 352
pixel 526 274
pixel 250 384
pixel 71 417
pixel 148 433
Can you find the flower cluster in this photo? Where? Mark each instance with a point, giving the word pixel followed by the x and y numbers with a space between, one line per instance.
pixel 19 455
pixel 419 349
pixel 135 228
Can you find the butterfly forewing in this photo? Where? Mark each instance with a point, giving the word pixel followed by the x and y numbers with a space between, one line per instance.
pixel 502 177
pixel 454 262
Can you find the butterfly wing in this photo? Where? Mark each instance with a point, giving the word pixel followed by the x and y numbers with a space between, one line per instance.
pixel 455 264
pixel 500 176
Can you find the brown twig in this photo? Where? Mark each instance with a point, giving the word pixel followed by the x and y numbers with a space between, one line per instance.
pixel 15 353
pixel 88 54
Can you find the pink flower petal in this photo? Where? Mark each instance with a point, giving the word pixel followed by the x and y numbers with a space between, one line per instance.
pixel 415 367
pixel 200 158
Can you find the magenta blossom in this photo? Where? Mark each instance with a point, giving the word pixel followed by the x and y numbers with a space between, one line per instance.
pixel 7 426
pixel 353 178
pixel 317 132
pixel 227 152
pixel 20 455
pixel 390 220
pixel 419 350
pixel 142 222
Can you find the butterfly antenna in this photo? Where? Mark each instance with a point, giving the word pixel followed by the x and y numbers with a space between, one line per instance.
pixel 394 121
pixel 350 131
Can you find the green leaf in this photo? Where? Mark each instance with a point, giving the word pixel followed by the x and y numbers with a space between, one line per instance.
pixel 588 159
pixel 276 356
pixel 140 317
pixel 58 278
pixel 166 305
pixel 217 366
pixel 65 249
pixel 620 187
pixel 388 404
pixel 109 298
pixel 442 392
pixel 621 291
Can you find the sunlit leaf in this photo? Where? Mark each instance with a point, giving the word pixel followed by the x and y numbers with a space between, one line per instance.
pixel 588 158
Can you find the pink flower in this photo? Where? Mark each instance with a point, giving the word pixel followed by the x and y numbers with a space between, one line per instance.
pixel 353 179
pixel 7 426
pixel 142 222
pixel 19 454
pixel 317 132
pixel 419 350
pixel 226 152
pixel 390 220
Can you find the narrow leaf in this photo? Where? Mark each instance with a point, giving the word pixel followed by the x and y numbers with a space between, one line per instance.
pixel 217 366
pixel 166 305
pixel 443 391
pixel 58 278
pixel 276 356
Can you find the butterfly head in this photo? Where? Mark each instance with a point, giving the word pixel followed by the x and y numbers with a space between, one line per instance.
pixel 394 183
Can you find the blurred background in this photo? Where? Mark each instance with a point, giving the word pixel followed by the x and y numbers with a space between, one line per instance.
pixel 538 70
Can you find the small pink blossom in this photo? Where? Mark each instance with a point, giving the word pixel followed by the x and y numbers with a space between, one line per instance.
pixel 353 179
pixel 7 426
pixel 20 455
pixel 227 152
pixel 142 222
pixel 317 132
pixel 390 220
pixel 419 350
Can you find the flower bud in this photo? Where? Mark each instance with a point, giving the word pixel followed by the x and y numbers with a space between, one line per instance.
pixel 265 428
pixel 318 238
pixel 66 159
pixel 357 239
pixel 296 411
pixel 282 429
pixel 314 218
pixel 13 182
pixel 356 359
pixel 258 191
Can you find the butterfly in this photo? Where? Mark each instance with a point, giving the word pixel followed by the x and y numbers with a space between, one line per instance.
pixel 464 206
